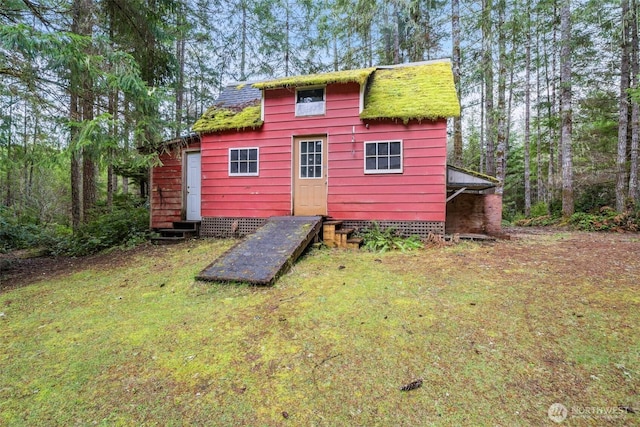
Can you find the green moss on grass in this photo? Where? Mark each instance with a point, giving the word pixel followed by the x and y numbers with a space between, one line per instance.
pixel 331 343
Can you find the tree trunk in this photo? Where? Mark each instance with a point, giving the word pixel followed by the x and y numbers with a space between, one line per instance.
pixel 336 60
pixel 127 142
pixel 501 135
pixel 89 160
pixel 243 42
pixel 555 98
pixel 81 25
pixel 76 189
pixel 180 56
pixel 483 134
pixel 457 121
pixel 8 201
pixel 551 134
pixel 387 35
pixel 540 193
pixel 36 130
pixel 527 116
pixel 418 32
pixel 25 154
pixel 396 34
pixel 287 44
pixel 487 69
pixel 566 112
pixel 76 161
pixel 635 108
pixel 89 182
pixel 112 110
pixel 623 123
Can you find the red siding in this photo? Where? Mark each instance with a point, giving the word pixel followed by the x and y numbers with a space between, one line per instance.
pixel 258 197
pixel 166 189
pixel 417 194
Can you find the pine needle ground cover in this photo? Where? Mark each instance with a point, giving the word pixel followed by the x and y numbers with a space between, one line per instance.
pixel 476 334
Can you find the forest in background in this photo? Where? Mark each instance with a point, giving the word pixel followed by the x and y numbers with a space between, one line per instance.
pixel 549 94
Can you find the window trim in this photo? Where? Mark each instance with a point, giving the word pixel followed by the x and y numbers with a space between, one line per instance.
pixel 322 162
pixel 323 102
pixel 383 171
pixel 256 173
pixel 363 88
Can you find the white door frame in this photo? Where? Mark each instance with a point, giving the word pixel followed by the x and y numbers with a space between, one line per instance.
pixel 192 185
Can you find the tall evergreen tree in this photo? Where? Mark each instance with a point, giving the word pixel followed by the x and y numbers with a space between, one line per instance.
pixel 527 110
pixel 456 65
pixel 623 128
pixel 634 192
pixel 566 109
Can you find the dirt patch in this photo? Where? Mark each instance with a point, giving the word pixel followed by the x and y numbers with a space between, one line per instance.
pixel 21 268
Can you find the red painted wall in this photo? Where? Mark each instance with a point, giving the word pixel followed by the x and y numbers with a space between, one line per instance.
pixel 417 194
pixel 166 189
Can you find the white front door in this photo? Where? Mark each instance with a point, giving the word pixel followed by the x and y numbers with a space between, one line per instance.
pixel 193 186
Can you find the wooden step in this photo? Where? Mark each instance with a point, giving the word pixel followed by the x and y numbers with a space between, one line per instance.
pixel 329 232
pixel 176 232
pixel 354 243
pixel 345 231
pixel 187 225
pixel 333 235
pixel 342 236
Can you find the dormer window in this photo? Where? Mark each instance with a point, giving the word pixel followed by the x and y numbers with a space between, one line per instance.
pixel 310 102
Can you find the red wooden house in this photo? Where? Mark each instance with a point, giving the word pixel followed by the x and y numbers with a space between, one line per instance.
pixel 357 146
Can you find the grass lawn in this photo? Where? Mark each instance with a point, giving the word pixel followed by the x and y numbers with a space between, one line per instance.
pixel 497 332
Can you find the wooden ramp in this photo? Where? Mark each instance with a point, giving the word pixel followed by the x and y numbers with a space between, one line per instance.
pixel 263 256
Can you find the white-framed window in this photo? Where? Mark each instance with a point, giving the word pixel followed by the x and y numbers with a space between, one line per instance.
pixel 311 159
pixel 383 157
pixel 243 161
pixel 310 101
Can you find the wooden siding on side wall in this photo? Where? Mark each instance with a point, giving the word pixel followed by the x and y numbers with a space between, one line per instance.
pixel 166 189
pixel 418 193
pixel 246 196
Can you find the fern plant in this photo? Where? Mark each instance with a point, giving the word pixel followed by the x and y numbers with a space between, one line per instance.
pixel 379 240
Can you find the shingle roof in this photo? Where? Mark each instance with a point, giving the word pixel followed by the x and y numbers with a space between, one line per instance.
pixel 238 95
pixel 237 108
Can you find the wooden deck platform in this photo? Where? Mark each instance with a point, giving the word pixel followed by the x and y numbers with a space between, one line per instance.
pixel 265 255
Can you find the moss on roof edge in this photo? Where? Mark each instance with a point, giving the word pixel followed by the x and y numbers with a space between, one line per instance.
pixel 349 76
pixel 221 119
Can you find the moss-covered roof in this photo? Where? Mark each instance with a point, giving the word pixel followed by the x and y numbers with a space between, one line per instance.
pixel 356 76
pixel 406 92
pixel 423 91
pixel 217 119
